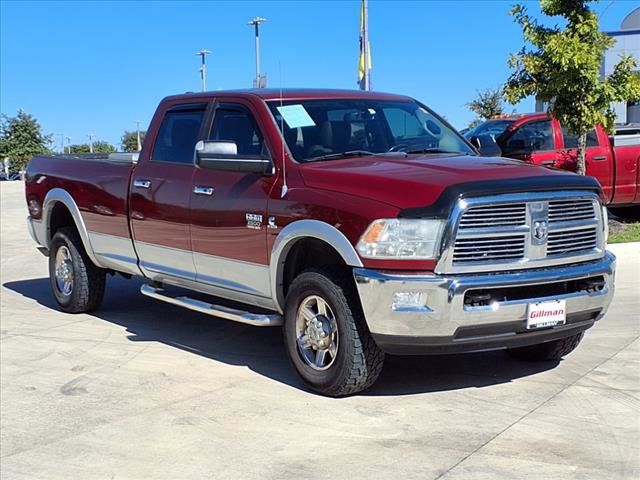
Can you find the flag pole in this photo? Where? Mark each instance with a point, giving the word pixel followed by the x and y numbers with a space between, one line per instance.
pixel 365 46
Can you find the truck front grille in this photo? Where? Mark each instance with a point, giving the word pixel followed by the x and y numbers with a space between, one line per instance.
pixel 524 231
pixel 569 210
pixel 569 241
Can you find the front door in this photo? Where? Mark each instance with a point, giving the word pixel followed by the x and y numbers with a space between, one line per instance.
pixel 160 194
pixel 229 210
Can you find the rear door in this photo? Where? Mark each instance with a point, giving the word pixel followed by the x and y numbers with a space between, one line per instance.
pixel 160 194
pixel 229 209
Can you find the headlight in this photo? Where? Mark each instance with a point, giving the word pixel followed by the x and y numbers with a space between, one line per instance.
pixel 605 226
pixel 399 238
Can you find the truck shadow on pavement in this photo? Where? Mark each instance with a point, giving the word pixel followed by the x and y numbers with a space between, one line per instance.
pixel 262 349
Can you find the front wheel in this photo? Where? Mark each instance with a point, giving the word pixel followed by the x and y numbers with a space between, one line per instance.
pixel 547 351
pixel 326 336
pixel 77 284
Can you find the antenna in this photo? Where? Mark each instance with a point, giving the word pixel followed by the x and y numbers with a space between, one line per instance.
pixel 285 188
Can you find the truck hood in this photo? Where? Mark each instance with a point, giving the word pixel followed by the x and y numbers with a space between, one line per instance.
pixel 419 180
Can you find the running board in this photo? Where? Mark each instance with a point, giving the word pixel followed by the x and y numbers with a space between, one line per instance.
pixel 256 319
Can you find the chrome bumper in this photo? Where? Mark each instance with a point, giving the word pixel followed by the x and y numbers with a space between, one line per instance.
pixel 442 319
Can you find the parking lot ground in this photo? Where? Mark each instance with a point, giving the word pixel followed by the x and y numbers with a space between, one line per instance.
pixel 142 389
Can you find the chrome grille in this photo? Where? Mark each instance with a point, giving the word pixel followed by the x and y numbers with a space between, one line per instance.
pixel 570 241
pixel 515 231
pixel 482 250
pixel 569 210
pixel 494 216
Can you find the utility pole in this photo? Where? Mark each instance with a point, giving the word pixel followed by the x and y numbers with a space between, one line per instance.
pixel 68 145
pixel 260 80
pixel 138 132
pixel 365 46
pixel 91 137
pixel 61 135
pixel 203 70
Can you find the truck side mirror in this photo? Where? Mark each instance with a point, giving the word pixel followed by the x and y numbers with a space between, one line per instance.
pixel 486 145
pixel 223 155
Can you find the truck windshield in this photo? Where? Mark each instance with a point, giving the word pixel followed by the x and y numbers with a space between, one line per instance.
pixel 493 128
pixel 336 128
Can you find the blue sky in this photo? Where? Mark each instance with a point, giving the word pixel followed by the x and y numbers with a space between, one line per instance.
pixel 98 67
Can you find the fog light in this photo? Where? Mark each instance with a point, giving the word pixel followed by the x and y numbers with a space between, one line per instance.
pixel 408 300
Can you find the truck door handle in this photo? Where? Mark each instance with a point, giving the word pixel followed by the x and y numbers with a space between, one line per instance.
pixel 142 183
pixel 599 157
pixel 203 190
pixel 548 163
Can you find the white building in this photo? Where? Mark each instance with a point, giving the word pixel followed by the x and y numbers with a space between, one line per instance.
pixel 627 43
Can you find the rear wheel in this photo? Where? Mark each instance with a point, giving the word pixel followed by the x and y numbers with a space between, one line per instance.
pixel 326 336
pixel 547 351
pixel 77 284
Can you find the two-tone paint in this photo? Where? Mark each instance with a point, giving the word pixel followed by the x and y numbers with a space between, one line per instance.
pixel 151 218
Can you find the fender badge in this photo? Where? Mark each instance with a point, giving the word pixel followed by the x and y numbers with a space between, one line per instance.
pixel 254 221
pixel 271 223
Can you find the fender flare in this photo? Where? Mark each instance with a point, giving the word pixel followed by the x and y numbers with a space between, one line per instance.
pixel 298 230
pixel 59 195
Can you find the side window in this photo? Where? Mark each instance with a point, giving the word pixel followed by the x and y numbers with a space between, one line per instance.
pixel 530 137
pixel 571 141
pixel 178 136
pixel 236 124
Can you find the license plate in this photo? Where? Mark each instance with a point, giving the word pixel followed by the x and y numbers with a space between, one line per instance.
pixel 546 314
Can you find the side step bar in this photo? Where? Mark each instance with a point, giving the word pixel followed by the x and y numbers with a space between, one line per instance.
pixel 256 319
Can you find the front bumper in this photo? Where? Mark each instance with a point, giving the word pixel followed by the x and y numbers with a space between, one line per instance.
pixel 443 323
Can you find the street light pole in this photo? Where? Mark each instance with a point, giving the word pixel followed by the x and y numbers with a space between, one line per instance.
pixel 91 137
pixel 203 69
pixel 257 83
pixel 61 135
pixel 138 133
pixel 68 145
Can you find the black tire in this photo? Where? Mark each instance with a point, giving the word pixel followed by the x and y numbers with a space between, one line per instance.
pixel 547 351
pixel 88 285
pixel 358 361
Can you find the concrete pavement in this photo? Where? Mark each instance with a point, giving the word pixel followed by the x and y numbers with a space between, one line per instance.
pixel 142 389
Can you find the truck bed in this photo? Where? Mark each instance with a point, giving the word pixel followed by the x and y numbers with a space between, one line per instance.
pixel 98 183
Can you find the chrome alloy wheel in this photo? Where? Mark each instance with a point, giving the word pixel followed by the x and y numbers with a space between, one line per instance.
pixel 316 333
pixel 64 271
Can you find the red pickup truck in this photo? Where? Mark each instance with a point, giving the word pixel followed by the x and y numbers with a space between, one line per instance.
pixel 540 139
pixel 361 222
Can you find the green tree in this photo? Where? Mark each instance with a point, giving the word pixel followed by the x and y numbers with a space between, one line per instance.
pixel 79 148
pixel 130 141
pixel 21 138
pixel 487 104
pixel 99 146
pixel 563 69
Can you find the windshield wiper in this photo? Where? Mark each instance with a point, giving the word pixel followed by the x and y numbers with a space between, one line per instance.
pixel 332 156
pixel 431 150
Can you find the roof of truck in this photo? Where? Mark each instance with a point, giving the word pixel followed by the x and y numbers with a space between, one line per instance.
pixel 291 94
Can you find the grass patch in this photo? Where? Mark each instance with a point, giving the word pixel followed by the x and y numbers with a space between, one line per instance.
pixel 624 232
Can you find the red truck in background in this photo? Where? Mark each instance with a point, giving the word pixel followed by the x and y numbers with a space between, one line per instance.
pixel 360 222
pixel 539 139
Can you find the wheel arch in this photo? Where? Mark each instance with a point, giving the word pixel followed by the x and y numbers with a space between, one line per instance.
pixel 56 199
pixel 305 230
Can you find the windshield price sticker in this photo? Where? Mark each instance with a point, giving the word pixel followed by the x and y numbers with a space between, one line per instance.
pixel 296 116
pixel 546 314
